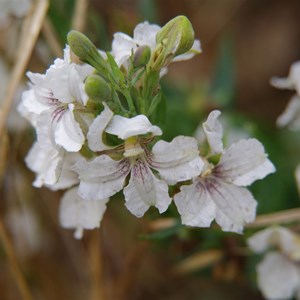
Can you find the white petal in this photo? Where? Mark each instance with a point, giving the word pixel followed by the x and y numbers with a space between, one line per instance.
pixel 36 78
pixel 46 162
pixel 279 237
pixel 30 107
pixel 292 81
pixel 95 132
pixel 145 34
pixel 213 131
pixel 195 205
pixel 68 133
pixel 67 54
pixel 277 278
pixel 282 83
pixel 178 160
pixel 235 205
pixel 244 162
pixel 291 115
pixel 101 177
pixel 57 80
pixel 196 49
pixel 76 86
pixel 77 213
pixel 145 190
pixel 122 45
pixel 264 239
pixel 68 177
pixel 127 127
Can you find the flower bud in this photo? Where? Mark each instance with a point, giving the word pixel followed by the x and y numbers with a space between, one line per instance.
pixel 86 51
pixel 178 35
pixel 141 56
pixel 97 88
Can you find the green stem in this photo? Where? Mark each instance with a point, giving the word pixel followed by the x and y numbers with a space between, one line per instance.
pixel 129 100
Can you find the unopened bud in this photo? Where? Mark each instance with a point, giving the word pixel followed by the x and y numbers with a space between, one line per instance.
pixel 86 50
pixel 141 56
pixel 97 88
pixel 178 35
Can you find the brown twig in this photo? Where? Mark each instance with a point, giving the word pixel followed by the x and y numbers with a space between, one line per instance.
pixel 51 38
pixel 4 145
pixel 95 262
pixel 281 217
pixel 13 263
pixel 79 16
pixel 198 261
pixel 22 60
pixel 285 216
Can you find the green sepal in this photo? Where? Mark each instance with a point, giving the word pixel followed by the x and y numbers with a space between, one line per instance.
pixel 87 51
pixel 178 34
pixel 118 76
pixel 97 88
pixel 141 56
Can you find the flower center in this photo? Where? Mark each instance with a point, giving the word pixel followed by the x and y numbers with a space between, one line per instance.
pixel 133 147
pixel 207 169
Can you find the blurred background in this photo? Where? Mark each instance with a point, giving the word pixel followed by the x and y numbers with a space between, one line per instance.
pixel 244 43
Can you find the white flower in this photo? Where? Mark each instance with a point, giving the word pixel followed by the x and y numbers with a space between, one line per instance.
pixel 144 34
pixel 292 82
pixel 79 214
pixel 44 158
pixel 51 163
pixel 61 92
pixel 278 274
pixel 176 161
pixel 219 192
pixel 291 115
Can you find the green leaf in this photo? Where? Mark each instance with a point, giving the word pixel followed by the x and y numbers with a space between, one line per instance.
pixel 160 111
pixel 117 74
pixel 154 103
pixel 223 85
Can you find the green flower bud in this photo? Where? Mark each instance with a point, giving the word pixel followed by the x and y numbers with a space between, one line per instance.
pixel 86 51
pixel 178 35
pixel 141 56
pixel 97 88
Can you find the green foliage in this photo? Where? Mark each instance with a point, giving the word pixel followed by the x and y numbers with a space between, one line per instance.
pixel 222 88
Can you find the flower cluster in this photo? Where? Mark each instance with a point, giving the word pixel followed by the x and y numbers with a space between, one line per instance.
pixel 290 117
pixel 95 136
pixel 279 271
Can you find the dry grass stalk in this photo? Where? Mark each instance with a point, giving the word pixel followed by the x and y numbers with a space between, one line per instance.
pixel 4 144
pixel 281 217
pixel 51 38
pixel 285 216
pixel 198 261
pixel 13 263
pixel 161 224
pixel 26 47
pixel 96 271
pixel 79 16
